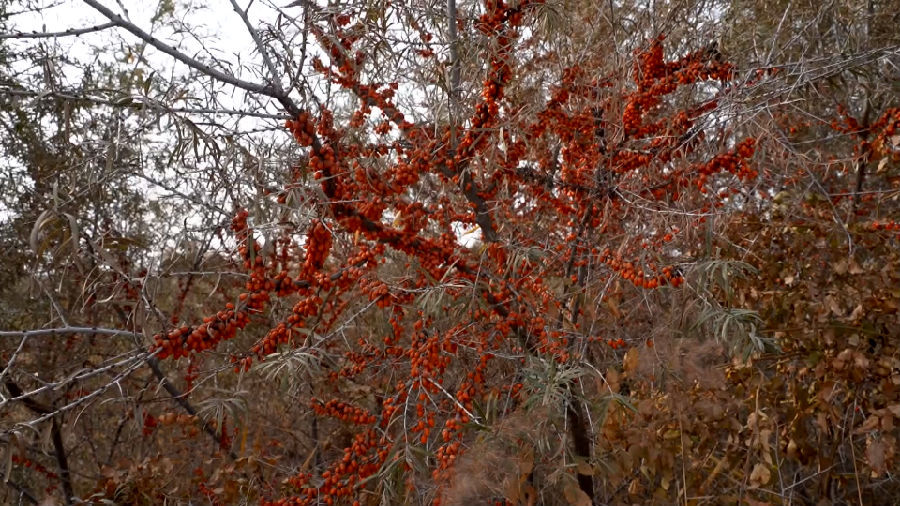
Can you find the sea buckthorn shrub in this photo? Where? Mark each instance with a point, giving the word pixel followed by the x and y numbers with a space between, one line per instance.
pixel 412 340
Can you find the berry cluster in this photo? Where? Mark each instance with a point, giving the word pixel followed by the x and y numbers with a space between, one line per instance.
pixel 343 411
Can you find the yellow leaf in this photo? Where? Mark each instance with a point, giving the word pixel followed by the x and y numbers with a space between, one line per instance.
pixel 634 488
pixel 672 434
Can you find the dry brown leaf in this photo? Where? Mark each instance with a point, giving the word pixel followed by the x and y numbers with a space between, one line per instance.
pixel 574 495
pixel 613 380
pixel 613 307
pixel 49 500
pixel 876 454
pixel 526 460
pixel 760 475
pixel 630 361
pixel 840 267
pixel 584 468
pixel 634 488
pixel 869 425
pixel 792 449
pixel 513 490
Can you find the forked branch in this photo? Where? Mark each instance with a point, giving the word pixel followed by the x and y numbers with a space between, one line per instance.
pixel 270 89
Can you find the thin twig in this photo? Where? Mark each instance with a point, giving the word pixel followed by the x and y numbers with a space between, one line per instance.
pixel 51 35
pixel 267 61
pixel 69 330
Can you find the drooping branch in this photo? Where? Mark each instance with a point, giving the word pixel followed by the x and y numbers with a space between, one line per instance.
pixel 131 364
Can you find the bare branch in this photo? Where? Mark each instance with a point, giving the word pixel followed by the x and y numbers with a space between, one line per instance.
pixel 454 66
pixel 267 61
pixel 78 376
pixel 51 35
pixel 263 89
pixel 138 103
pixel 69 330
pixel 152 362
